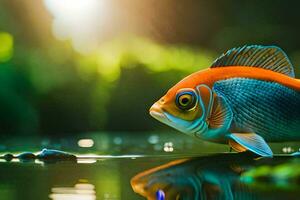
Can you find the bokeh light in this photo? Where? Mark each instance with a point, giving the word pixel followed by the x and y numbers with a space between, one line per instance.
pixel 287 150
pixel 153 139
pixel 86 143
pixel 6 46
pixel 81 191
pixel 168 147
pixel 78 21
pixel 112 55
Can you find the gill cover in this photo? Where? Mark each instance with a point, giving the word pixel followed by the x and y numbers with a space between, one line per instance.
pixel 217 115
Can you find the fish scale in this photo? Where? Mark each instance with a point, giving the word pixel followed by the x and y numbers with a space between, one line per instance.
pixel 266 108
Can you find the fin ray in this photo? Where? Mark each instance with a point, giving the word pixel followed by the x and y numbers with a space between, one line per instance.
pixel 266 57
pixel 221 114
pixel 252 142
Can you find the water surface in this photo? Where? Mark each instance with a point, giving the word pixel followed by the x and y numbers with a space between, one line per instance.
pixel 104 170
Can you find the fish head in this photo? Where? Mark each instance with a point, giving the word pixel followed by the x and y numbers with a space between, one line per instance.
pixel 194 178
pixel 163 182
pixel 184 107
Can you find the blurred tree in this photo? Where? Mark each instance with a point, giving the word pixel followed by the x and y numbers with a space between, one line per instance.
pixel 17 114
pixel 132 96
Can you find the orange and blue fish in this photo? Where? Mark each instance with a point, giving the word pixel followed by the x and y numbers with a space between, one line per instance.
pixel 232 178
pixel 197 178
pixel 248 97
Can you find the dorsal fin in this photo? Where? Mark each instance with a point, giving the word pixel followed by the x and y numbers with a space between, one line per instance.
pixel 266 57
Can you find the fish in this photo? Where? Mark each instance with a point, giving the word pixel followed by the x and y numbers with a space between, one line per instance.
pixel 201 178
pixel 249 96
pixel 186 179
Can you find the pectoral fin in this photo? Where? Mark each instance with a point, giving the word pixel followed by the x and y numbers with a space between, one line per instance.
pixel 251 142
pixel 221 114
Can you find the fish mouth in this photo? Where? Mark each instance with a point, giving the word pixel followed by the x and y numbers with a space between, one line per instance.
pixel 157 112
pixel 138 188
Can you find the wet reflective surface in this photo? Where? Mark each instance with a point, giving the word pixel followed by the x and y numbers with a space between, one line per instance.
pixel 168 172
pixel 222 176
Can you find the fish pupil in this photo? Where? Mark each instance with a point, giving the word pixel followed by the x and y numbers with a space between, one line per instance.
pixel 185 101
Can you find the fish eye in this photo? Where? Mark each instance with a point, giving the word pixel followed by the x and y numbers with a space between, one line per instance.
pixel 186 100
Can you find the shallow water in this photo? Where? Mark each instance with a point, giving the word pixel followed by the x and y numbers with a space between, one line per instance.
pixel 105 173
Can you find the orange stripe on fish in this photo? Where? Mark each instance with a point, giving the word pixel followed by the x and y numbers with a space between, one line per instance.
pixel 211 75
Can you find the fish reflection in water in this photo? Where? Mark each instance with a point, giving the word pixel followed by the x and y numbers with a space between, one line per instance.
pixel 210 177
pixel 81 191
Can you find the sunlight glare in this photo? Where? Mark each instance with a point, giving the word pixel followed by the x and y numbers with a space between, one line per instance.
pixel 81 191
pixel 77 20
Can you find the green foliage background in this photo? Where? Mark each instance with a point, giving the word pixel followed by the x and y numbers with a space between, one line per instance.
pixel 48 88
